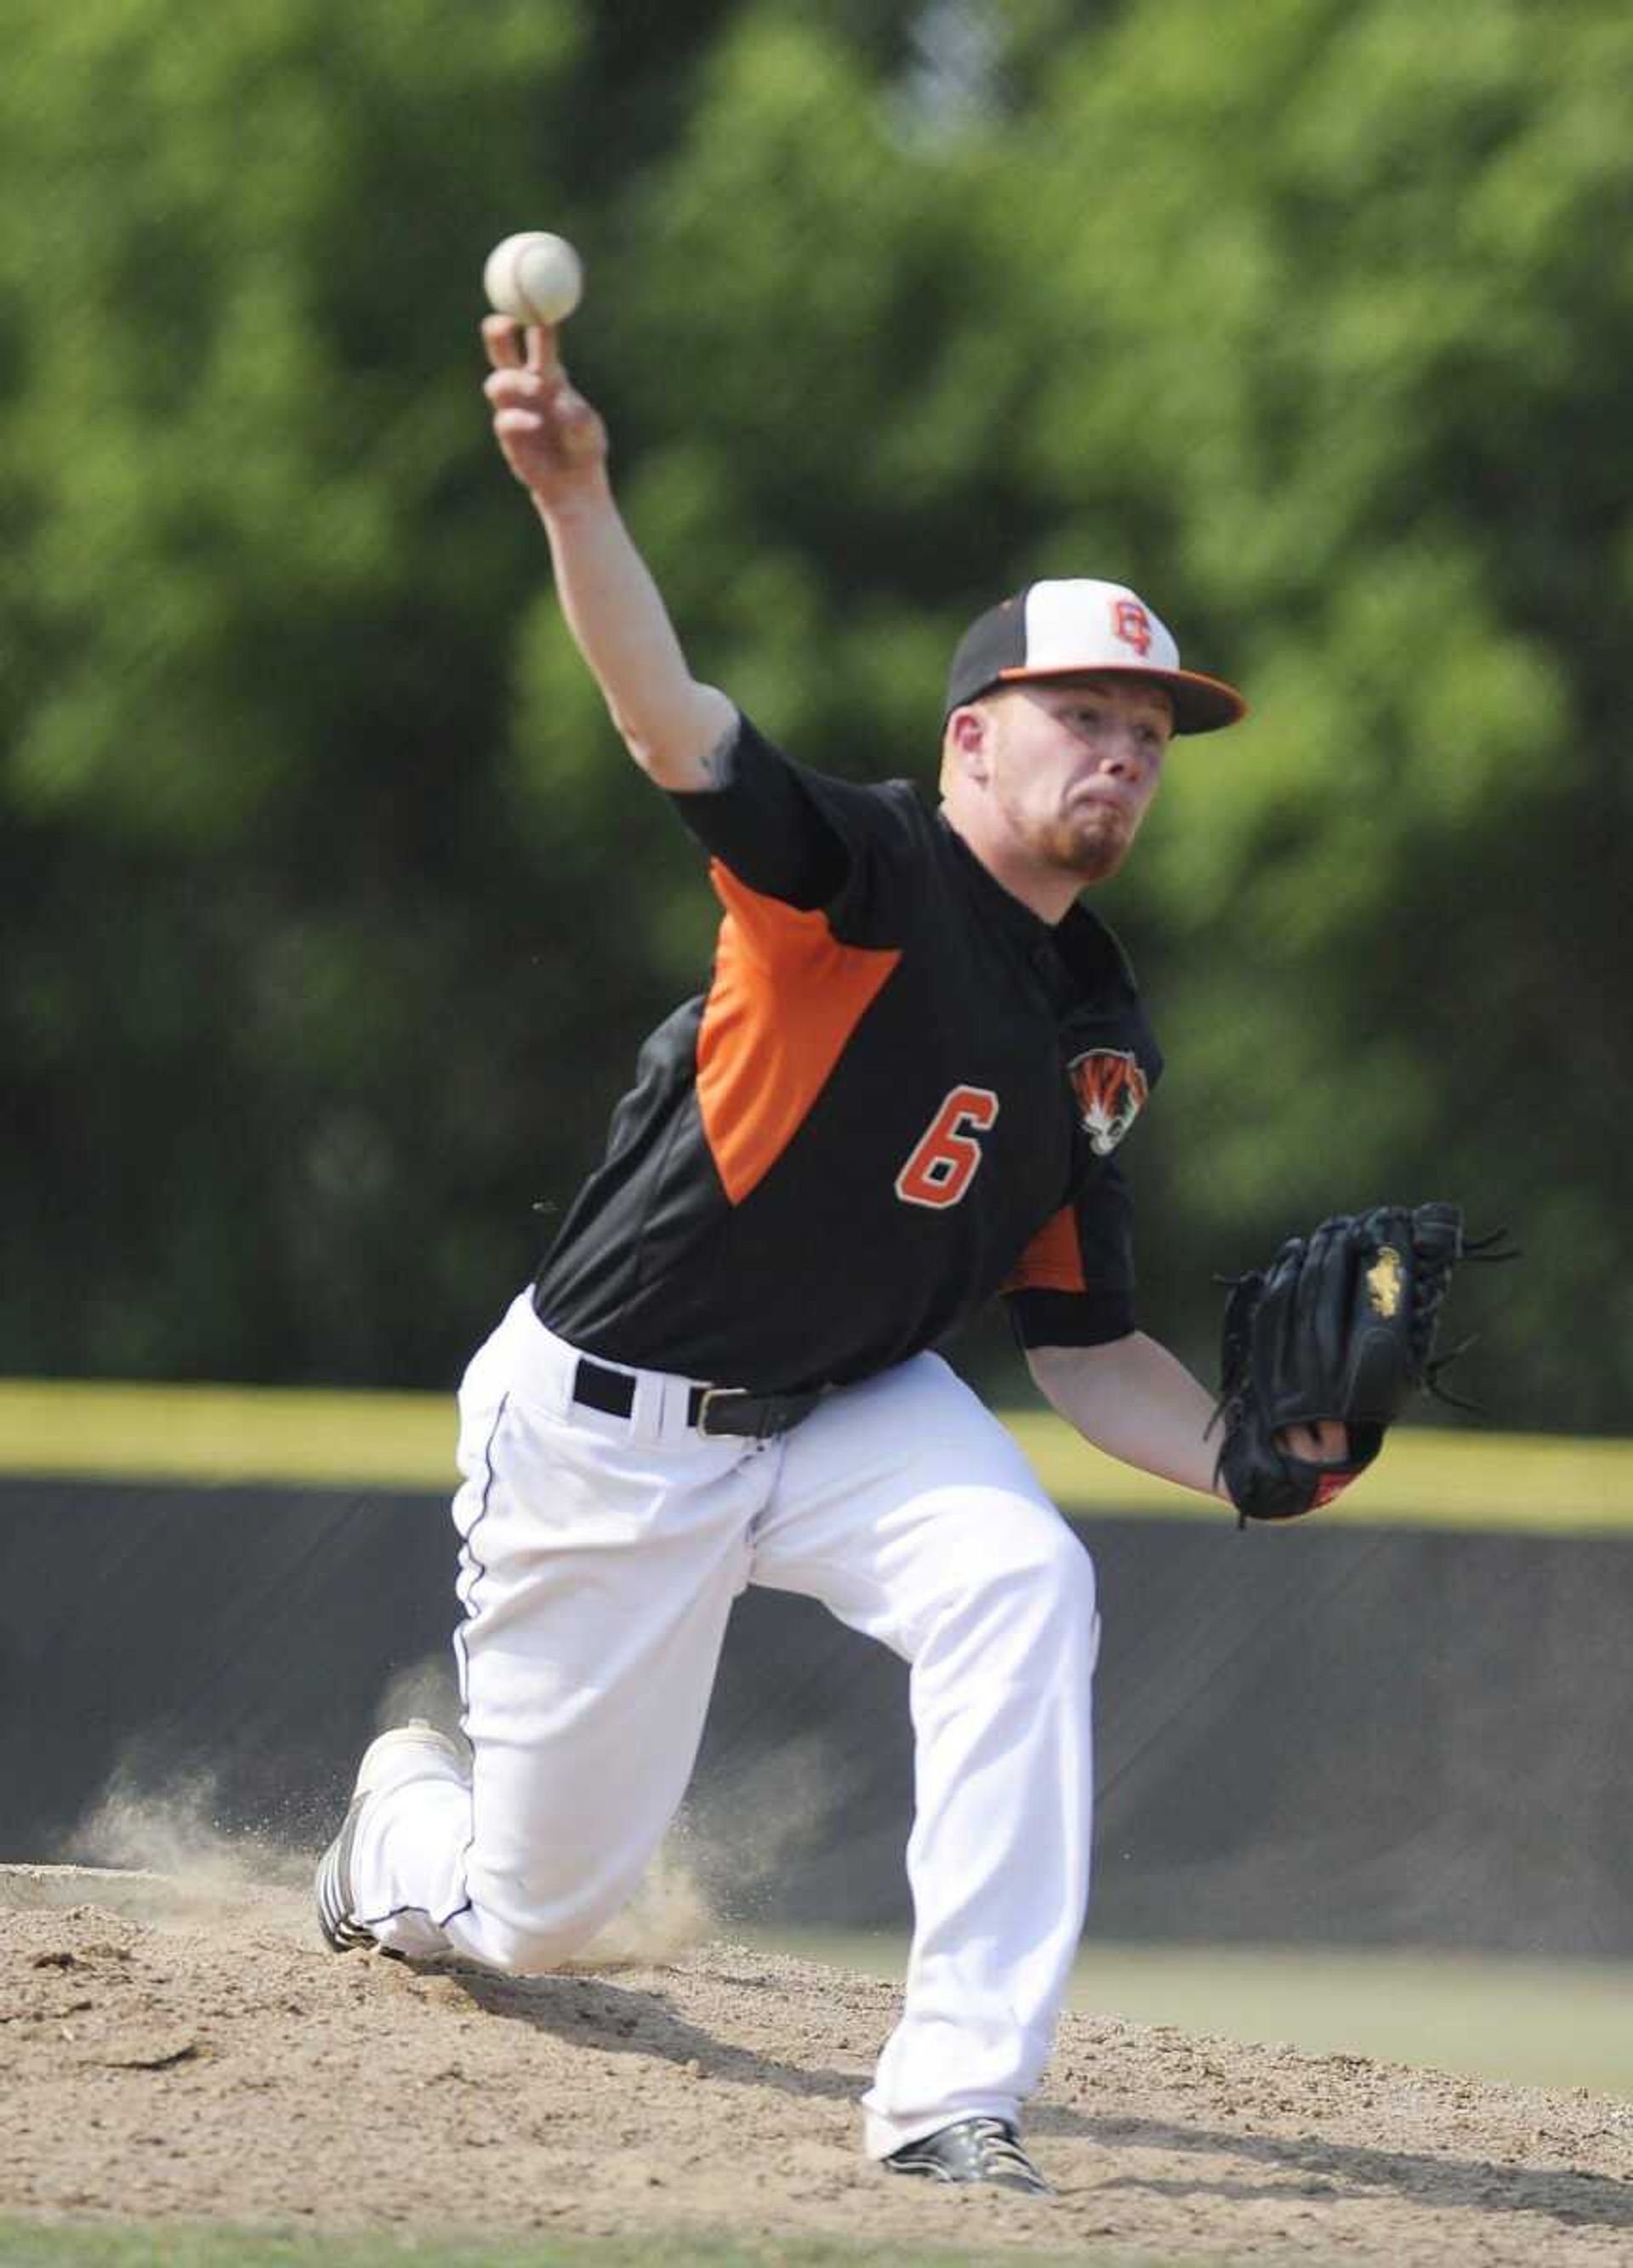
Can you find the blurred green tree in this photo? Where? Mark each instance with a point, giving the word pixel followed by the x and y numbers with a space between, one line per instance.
pixel 1361 310
pixel 287 1002
pixel 334 915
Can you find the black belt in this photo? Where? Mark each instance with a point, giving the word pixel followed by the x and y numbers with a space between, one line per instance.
pixel 711 1409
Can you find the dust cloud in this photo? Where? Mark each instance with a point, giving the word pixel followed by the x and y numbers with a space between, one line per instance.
pixel 160 1852
pixel 171 1861
pixel 752 1822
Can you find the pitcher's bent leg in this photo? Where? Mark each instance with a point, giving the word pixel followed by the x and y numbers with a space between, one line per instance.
pixel 910 1512
pixel 597 1574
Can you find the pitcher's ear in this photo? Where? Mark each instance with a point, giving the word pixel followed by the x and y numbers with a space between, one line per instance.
pixel 966 743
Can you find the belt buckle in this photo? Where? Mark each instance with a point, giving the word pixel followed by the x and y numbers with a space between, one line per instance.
pixel 721 1396
pixel 758 1417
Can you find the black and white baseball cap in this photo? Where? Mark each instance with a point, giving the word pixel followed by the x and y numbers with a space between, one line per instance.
pixel 1061 629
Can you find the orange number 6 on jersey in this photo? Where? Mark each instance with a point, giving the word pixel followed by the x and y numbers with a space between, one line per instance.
pixel 945 1158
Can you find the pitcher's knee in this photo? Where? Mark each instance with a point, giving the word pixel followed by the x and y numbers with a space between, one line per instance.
pixel 1030 1591
pixel 531 1948
pixel 526 1941
pixel 522 1949
pixel 1066 1594
pixel 1046 1599
pixel 1046 1568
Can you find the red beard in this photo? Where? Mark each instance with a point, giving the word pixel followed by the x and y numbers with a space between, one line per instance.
pixel 1090 844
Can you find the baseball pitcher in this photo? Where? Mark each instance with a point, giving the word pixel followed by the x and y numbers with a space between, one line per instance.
pixel 904 1093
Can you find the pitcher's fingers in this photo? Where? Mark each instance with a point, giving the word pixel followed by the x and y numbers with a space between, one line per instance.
pixel 517 424
pixel 503 341
pixel 541 353
pixel 514 384
pixel 1324 1443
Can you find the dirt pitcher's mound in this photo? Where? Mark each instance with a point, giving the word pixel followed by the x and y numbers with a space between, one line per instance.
pixel 141 1892
pixel 225 2065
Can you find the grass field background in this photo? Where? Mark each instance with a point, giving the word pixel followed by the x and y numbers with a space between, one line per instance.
pixel 224 1436
pixel 85 2245
pixel 1538 2023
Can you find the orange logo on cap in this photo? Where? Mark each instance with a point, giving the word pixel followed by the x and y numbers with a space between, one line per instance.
pixel 1132 624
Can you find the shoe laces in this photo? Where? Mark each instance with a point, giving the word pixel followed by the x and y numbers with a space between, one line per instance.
pixel 995 2149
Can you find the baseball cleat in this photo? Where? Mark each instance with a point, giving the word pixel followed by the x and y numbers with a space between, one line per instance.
pixel 416 1750
pixel 971 2150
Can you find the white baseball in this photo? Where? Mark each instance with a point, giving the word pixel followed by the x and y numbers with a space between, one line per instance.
pixel 534 277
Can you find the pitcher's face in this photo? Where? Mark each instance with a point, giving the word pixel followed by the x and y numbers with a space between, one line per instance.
pixel 1073 765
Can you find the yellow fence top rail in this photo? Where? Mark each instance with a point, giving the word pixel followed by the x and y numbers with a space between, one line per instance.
pixel 223 1436
pixel 226 1435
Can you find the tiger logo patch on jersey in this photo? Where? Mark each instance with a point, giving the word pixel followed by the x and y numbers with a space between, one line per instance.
pixel 1111 1090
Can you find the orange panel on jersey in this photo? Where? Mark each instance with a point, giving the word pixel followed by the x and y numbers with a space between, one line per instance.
pixel 786 998
pixel 1053 1260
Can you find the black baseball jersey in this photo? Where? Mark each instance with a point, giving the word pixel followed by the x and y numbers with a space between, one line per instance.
pixel 900 1095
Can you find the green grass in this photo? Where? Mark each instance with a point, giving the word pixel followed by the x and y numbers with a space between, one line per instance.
pixel 1538 2023
pixel 222 1436
pixel 24 2244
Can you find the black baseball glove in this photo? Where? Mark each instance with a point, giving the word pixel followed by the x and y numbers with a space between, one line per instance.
pixel 1340 1327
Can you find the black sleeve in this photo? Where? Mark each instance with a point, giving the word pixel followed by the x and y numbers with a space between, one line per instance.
pixel 1074 1285
pixel 800 837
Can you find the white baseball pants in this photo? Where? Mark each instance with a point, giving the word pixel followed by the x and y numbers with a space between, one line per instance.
pixel 600 1558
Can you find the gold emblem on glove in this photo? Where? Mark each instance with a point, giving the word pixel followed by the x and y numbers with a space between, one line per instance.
pixel 1385 1281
